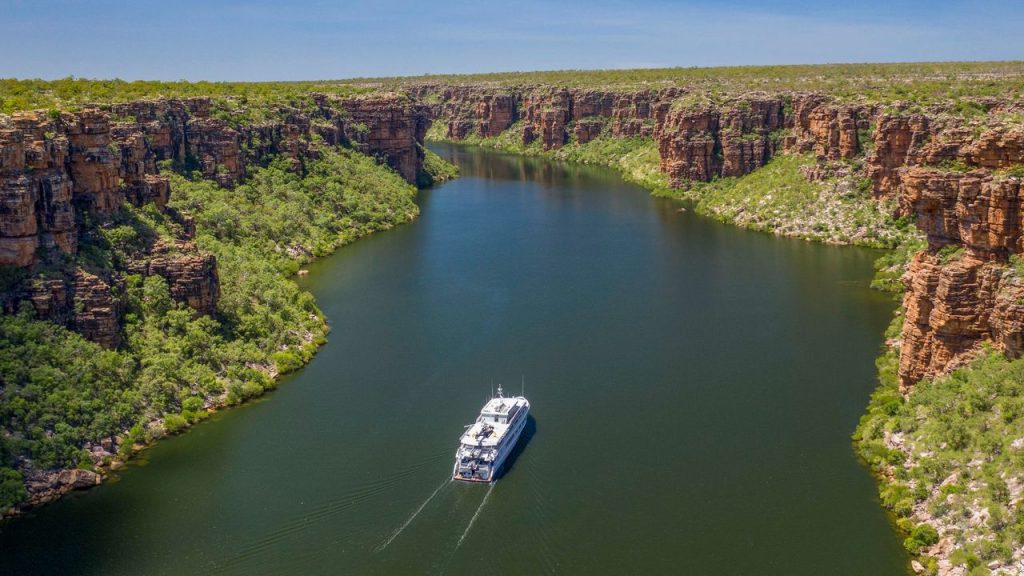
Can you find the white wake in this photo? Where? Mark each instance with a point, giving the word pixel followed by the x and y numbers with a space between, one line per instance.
pixel 475 514
pixel 409 520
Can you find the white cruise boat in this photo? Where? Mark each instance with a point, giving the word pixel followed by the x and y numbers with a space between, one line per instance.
pixel 487 442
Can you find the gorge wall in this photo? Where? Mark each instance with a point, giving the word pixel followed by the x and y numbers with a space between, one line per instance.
pixel 62 174
pixel 960 180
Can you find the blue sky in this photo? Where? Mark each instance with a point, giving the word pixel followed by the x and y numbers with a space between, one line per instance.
pixel 319 39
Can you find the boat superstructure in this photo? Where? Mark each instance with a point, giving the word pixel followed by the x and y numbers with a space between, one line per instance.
pixel 486 444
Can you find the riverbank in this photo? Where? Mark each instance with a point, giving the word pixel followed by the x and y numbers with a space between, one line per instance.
pixel 174 368
pixel 791 196
pixel 956 506
pixel 934 176
pixel 949 458
pixel 604 296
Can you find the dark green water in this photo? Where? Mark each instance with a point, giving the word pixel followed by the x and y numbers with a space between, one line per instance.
pixel 693 387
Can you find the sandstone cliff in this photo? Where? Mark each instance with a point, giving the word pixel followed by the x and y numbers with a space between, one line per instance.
pixel 62 173
pixel 953 304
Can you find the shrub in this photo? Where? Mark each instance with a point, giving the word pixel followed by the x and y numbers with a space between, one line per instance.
pixel 192 404
pixel 174 423
pixel 287 362
pixel 12 491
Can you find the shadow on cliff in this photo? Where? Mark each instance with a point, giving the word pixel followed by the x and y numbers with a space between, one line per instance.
pixel 528 431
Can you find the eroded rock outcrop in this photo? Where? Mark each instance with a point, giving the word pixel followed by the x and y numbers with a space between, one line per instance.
pixel 829 131
pixel 47 485
pixel 191 274
pixel 551 116
pixel 709 140
pixel 58 170
pixel 955 304
pixel 95 310
pixel 93 162
pixel 391 128
pixel 35 190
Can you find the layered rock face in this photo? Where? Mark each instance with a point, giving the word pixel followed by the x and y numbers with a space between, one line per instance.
pixel 956 302
pixel 191 274
pixel 56 170
pixel 952 304
pixel 35 190
pixel 697 139
pixel 389 128
pixel 193 134
pixel 59 170
pixel 552 116
pixel 706 141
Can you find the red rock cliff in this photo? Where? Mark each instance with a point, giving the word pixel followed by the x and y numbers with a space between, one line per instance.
pixel 58 170
pixel 698 139
pixel 953 303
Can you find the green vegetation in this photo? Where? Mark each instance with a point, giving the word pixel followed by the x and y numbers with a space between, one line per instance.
pixel 950 456
pixel 285 219
pixel 890 267
pixel 924 82
pixel 69 93
pixel 778 198
pixel 435 169
pixel 636 158
pixel 59 389
pixel 949 253
pixel 61 392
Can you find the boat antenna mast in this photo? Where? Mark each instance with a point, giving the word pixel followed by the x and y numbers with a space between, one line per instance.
pixel 523 392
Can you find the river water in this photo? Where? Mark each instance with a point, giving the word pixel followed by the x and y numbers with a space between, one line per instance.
pixel 693 386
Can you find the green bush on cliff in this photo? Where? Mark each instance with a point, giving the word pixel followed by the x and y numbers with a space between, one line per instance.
pixel 921 537
pixel 890 267
pixel 286 362
pixel 174 423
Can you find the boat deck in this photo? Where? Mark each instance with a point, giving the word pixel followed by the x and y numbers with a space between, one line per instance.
pixel 494 421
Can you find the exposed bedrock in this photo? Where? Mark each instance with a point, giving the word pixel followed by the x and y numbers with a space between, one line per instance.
pixel 961 291
pixel 62 171
pixel 954 304
pixel 191 274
